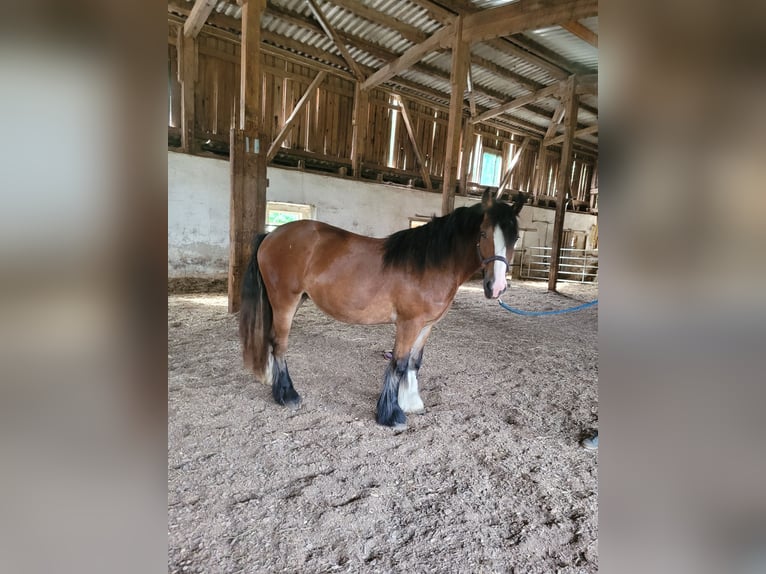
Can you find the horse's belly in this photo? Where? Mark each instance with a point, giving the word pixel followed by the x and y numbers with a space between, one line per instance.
pixel 354 308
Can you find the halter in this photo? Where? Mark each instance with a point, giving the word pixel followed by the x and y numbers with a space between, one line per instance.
pixel 492 258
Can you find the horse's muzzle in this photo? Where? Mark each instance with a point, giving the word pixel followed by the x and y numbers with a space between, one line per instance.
pixel 489 291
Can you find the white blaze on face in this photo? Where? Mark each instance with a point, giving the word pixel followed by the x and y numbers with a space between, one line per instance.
pixel 499 284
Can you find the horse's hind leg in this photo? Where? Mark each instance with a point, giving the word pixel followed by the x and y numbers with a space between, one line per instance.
pixel 409 396
pixel 389 412
pixel 282 388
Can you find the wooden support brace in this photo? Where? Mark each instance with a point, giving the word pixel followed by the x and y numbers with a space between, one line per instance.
pixel 330 31
pixel 411 133
pixel 197 17
pixel 581 32
pixel 274 148
pixel 546 92
pixel 410 57
pixel 511 166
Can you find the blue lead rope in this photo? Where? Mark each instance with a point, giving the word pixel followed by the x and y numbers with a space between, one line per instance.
pixel 555 312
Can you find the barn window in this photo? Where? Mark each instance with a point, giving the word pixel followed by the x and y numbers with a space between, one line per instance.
pixel 491 162
pixel 278 213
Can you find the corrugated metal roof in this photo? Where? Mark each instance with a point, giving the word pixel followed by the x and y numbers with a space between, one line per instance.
pixel 492 86
pixel 590 23
pixel 567 45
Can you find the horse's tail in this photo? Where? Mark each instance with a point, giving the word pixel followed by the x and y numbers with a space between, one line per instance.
pixel 255 319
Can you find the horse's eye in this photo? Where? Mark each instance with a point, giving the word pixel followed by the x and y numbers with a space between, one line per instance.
pixel 483 234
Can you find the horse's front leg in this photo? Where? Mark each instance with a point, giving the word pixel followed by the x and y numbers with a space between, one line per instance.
pixel 389 411
pixel 409 396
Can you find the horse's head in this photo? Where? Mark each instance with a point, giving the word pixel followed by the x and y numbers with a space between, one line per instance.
pixel 497 236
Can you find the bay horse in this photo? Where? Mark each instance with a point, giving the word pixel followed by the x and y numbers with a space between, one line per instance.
pixel 409 278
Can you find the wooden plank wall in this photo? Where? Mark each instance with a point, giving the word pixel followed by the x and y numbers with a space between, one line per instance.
pixel 324 125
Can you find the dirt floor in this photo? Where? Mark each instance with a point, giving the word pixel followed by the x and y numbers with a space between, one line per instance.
pixel 490 479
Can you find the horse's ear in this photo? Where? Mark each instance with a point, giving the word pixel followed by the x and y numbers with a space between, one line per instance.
pixel 519 202
pixel 487 200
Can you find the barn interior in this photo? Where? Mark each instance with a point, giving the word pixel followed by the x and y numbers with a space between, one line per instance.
pixel 375 116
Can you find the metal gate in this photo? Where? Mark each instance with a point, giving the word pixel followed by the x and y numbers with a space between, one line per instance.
pixel 575 265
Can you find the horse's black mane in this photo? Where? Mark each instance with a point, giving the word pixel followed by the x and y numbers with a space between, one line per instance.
pixel 432 244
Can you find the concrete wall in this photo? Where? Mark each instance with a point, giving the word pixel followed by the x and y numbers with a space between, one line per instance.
pixel 198 210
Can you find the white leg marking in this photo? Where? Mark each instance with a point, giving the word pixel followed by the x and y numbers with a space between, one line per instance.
pixel 409 397
pixel 499 284
pixel 269 368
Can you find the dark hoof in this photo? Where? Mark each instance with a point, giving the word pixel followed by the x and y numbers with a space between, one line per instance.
pixel 294 404
pixel 391 418
pixel 399 428
pixel 287 397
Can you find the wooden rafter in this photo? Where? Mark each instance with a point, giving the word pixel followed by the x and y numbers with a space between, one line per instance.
pixel 274 148
pixel 547 92
pixel 409 57
pixel 524 15
pixel 411 133
pixel 197 17
pixel 581 32
pixel 407 31
pixel 438 12
pixel 330 31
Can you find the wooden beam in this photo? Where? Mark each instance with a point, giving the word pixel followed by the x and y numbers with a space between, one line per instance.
pixel 330 31
pixel 409 57
pixel 524 15
pixel 581 32
pixel 411 133
pixel 579 133
pixel 507 46
pixel 558 115
pixel 197 17
pixel 587 84
pixel 359 128
pixel 437 12
pixel 187 75
pixel 247 211
pixel 547 92
pixel 360 9
pixel 461 53
pixel 274 148
pixel 514 161
pixel 563 183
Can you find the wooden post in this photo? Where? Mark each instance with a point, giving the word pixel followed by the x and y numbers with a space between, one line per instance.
pixel 461 53
pixel 187 71
pixel 247 215
pixel 359 128
pixel 564 179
